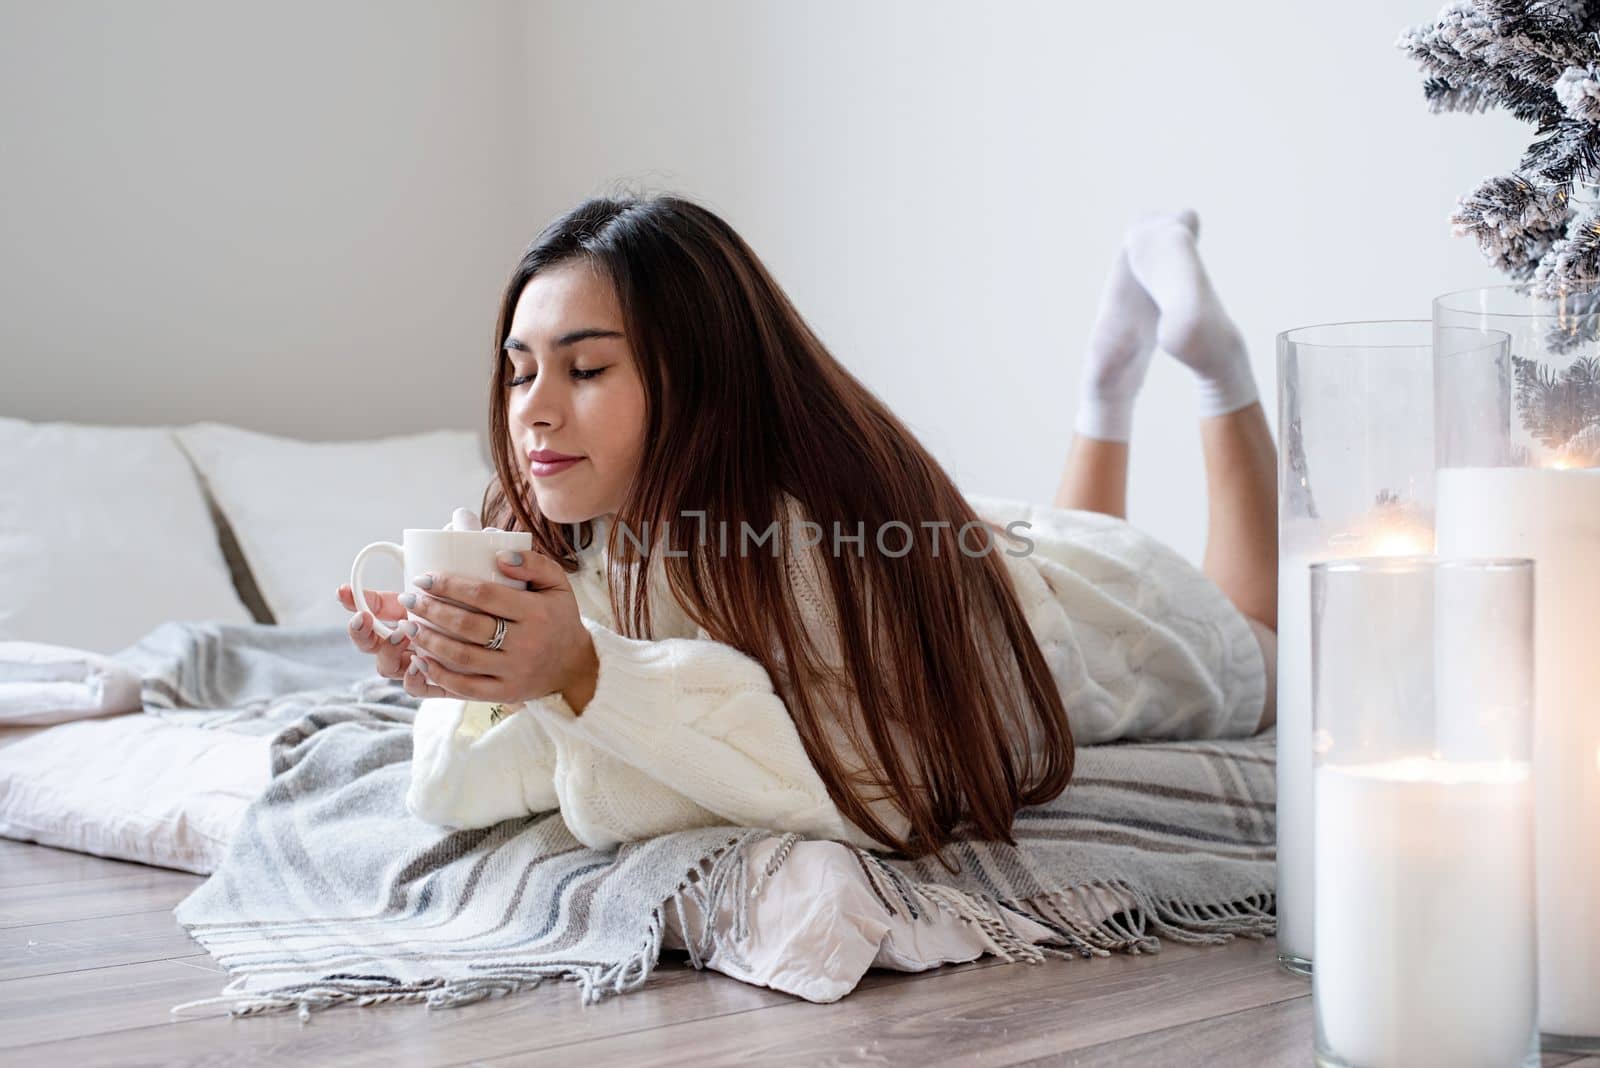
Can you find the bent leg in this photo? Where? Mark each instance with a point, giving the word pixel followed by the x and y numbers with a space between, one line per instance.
pixel 1241 462
pixel 1096 477
pixel 1241 531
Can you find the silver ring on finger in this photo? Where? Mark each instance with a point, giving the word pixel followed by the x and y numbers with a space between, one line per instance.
pixel 499 634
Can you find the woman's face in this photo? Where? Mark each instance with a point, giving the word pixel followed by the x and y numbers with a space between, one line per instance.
pixel 574 389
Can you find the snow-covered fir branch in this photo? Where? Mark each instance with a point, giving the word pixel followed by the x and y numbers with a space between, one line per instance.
pixel 1540 60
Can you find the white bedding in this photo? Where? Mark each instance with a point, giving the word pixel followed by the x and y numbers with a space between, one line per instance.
pixel 131 787
pixel 42 684
pixel 10 735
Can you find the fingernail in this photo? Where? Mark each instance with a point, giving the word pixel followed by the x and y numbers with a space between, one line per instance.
pixel 414 667
pixel 510 556
pixel 408 599
pixel 411 627
pixel 358 622
pixel 425 581
pixel 394 638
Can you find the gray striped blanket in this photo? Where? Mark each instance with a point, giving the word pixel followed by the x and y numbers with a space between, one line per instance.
pixel 331 893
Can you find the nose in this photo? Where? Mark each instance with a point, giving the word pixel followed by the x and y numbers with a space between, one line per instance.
pixel 541 404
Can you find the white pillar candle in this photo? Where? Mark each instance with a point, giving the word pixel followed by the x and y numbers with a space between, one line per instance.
pixel 1401 534
pixel 1552 516
pixel 1294 758
pixel 1425 941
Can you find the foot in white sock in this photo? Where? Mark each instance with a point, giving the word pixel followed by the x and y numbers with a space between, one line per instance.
pixel 1120 344
pixel 1192 326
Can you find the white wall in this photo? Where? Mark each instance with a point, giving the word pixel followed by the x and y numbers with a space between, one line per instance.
pixel 942 186
pixel 297 217
pixel 294 217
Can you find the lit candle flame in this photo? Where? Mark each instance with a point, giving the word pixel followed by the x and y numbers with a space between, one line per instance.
pixel 1400 543
pixel 1389 530
pixel 1392 533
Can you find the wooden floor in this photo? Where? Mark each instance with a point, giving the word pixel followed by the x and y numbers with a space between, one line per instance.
pixel 91 961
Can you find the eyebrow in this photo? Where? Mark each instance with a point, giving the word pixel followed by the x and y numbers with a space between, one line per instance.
pixel 571 337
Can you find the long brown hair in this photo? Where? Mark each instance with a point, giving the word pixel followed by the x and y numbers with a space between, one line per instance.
pixel 745 403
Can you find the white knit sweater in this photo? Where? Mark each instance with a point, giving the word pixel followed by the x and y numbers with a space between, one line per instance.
pixel 687 732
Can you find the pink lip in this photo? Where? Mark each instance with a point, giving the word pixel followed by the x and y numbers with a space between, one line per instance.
pixel 549 456
pixel 541 470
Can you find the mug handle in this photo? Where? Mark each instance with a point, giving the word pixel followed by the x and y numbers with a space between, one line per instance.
pixel 359 594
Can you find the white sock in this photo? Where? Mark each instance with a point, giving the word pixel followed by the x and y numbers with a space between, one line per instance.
pixel 1120 345
pixel 1118 354
pixel 1193 326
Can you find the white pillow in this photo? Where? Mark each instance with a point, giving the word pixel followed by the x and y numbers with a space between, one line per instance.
pixel 132 787
pixel 104 534
pixel 43 684
pixel 302 510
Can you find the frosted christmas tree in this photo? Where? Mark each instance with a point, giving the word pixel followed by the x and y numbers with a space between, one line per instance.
pixel 1540 223
pixel 1539 60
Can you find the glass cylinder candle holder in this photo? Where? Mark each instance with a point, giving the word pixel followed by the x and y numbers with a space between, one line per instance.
pixel 1426 939
pixel 1355 478
pixel 1519 474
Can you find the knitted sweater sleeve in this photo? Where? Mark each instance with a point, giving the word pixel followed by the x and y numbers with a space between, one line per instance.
pixel 702 719
pixel 469 771
pixel 681 732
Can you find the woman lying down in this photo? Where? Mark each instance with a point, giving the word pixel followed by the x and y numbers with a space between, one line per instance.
pixel 756 599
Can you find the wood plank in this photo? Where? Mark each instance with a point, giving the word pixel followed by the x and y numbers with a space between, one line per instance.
pixel 75 1005
pixel 28 864
pixel 202 961
pixel 997 1016
pixel 545 1015
pixel 101 942
pixel 143 890
pixel 66 1005
pixel 383 1035
pixel 1265 1036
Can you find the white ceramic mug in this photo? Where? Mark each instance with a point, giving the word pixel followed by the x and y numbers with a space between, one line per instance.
pixel 469 553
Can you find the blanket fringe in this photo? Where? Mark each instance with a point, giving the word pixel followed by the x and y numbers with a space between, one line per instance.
pixel 1068 913
pixel 305 998
pixel 596 980
pixel 728 876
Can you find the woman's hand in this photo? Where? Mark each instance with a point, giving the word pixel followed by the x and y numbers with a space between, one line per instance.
pixel 394 654
pixel 546 649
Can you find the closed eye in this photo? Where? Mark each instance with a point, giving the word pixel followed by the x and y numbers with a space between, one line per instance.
pixel 580 375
